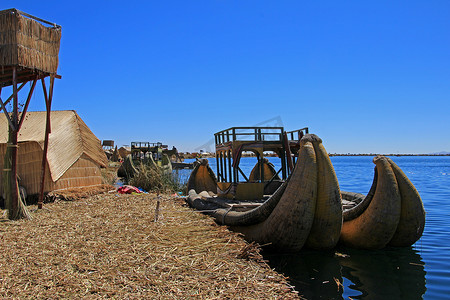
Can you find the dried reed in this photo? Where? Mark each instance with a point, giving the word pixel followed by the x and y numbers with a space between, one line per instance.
pixel 109 246
pixel 156 179
pixel 26 42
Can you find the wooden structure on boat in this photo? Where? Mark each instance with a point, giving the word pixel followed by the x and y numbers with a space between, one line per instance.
pixel 140 150
pixel 29 49
pixel 146 154
pixel 231 143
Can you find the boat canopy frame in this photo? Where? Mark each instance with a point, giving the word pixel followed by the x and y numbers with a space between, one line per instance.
pixel 232 142
pixel 139 150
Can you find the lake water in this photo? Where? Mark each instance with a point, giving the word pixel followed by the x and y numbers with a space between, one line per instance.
pixel 418 272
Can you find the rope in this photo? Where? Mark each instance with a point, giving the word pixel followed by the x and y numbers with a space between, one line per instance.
pixel 225 214
pixel 12 146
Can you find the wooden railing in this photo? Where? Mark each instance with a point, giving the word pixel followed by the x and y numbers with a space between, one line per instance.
pixel 249 133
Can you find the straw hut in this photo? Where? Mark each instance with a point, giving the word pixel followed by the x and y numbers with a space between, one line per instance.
pixel 124 151
pixel 74 156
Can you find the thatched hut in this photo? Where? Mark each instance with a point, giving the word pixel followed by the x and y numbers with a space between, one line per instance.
pixel 74 156
pixel 124 151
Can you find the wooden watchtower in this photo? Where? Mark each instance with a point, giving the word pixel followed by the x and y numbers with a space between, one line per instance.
pixel 29 49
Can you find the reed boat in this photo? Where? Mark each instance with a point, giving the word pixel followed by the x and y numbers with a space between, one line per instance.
pixel 127 169
pixel 391 214
pixel 130 167
pixel 297 206
pixel 300 205
pixel 146 154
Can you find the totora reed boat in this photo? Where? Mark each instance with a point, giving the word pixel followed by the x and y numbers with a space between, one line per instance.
pixel 144 154
pixel 303 207
pixel 300 205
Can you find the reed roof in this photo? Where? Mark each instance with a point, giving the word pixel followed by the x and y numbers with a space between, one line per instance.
pixel 27 42
pixel 70 138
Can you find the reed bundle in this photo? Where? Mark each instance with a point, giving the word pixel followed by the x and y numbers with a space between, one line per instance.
pixel 109 246
pixel 27 43
pixel 156 179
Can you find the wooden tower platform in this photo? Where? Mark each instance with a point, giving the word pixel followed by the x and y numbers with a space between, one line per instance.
pixel 29 49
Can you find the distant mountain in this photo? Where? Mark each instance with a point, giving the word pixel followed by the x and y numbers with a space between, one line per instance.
pixel 441 153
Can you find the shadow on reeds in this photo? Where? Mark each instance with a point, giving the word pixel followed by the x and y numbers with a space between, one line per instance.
pixel 393 273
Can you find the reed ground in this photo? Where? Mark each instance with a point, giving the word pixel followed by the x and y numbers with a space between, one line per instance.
pixel 110 246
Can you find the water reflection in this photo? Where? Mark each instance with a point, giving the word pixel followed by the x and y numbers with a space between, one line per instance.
pixel 354 274
pixel 316 275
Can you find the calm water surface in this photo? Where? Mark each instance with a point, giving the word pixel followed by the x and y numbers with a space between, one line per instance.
pixel 418 272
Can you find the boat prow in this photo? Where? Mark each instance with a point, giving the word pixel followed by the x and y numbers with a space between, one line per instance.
pixel 391 214
pixel 127 169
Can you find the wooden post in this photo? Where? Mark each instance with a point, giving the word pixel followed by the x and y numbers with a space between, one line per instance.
pixel 217 164
pixel 48 104
pixel 16 208
pixel 224 158
pixel 260 158
pixel 229 167
pixel 13 145
pixel 220 162
pixel 156 211
pixel 288 153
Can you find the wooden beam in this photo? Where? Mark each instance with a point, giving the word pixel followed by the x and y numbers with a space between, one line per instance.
pixel 245 177
pixel 27 103
pixel 14 187
pixel 10 97
pixel 22 75
pixel 48 103
pixel 288 153
pixel 11 125
pixel 3 106
pixel 230 173
pixel 35 18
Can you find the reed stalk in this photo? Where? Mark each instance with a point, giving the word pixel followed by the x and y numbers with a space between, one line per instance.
pixel 155 179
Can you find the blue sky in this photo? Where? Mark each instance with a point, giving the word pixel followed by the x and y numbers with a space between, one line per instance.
pixel 365 76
